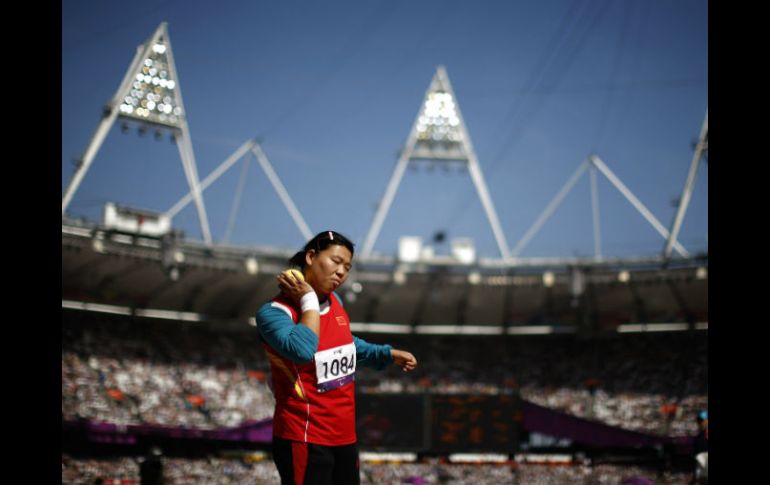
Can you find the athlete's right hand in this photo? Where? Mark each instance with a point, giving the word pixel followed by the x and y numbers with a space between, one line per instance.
pixel 293 288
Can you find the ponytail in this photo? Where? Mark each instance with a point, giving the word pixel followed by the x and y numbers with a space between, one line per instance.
pixel 298 260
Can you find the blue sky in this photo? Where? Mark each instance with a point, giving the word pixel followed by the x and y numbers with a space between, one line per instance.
pixel 332 89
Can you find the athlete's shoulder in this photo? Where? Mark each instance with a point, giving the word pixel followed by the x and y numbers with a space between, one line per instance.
pixel 275 307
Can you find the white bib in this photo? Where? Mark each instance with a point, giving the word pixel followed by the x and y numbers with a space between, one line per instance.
pixel 335 367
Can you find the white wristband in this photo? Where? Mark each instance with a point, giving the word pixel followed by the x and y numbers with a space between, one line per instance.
pixel 309 301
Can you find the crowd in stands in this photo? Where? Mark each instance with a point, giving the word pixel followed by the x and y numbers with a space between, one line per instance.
pixel 653 383
pixel 86 471
pixel 133 371
pixel 218 470
pixel 597 475
pixel 429 473
pixel 211 470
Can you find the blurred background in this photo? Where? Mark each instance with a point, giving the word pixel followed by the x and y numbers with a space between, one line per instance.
pixel 526 184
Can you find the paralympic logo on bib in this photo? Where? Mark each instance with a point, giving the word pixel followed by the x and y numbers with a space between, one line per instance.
pixel 335 367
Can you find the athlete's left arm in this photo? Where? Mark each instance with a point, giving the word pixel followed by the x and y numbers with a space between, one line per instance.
pixel 380 356
pixel 372 355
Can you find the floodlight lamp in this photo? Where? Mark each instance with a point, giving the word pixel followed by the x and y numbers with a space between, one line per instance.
pixel 624 276
pixel 252 267
pixel 173 273
pixel 399 277
pixel 439 120
pixel 474 278
pixel 98 245
pixel 548 279
pixel 151 85
pixel 701 273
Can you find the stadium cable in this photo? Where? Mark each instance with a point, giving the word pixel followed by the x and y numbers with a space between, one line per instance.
pixel 426 34
pixel 351 48
pixel 552 75
pixel 608 98
pixel 640 34
pixel 550 52
pixel 237 199
pixel 397 71
pixel 126 21
pixel 555 42
pixel 584 28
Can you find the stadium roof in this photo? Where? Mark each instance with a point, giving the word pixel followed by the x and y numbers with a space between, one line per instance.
pixel 228 284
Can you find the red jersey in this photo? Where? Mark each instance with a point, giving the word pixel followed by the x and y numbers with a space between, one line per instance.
pixel 315 401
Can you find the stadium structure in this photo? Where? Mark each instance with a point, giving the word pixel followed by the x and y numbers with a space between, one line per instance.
pixel 134 270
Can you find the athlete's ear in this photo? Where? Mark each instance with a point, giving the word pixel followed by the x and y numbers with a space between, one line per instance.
pixel 310 255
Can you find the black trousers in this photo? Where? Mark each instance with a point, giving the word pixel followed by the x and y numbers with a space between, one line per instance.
pixel 301 463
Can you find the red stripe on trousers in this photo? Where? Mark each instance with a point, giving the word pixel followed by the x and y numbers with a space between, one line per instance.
pixel 299 461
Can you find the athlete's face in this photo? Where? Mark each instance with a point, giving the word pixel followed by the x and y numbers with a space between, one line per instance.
pixel 328 270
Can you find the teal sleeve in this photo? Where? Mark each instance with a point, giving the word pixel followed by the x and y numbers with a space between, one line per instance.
pixel 292 341
pixel 372 355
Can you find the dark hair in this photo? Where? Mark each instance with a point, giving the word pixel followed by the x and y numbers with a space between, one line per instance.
pixel 321 241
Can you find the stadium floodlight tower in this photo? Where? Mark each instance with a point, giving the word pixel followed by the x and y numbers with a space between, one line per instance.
pixel 701 150
pixel 594 163
pixel 149 94
pixel 250 146
pixel 438 134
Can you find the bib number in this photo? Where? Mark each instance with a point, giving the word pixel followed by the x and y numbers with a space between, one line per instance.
pixel 335 367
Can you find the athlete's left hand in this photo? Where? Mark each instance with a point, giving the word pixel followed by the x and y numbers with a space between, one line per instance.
pixel 404 359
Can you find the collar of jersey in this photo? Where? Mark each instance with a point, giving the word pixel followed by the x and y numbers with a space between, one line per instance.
pixel 325 306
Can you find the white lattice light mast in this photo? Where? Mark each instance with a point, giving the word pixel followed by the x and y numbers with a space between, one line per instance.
pixel 250 146
pixel 149 94
pixel 700 149
pixel 594 163
pixel 438 134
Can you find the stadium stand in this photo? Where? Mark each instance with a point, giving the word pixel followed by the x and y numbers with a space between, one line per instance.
pixel 131 371
pixel 125 471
